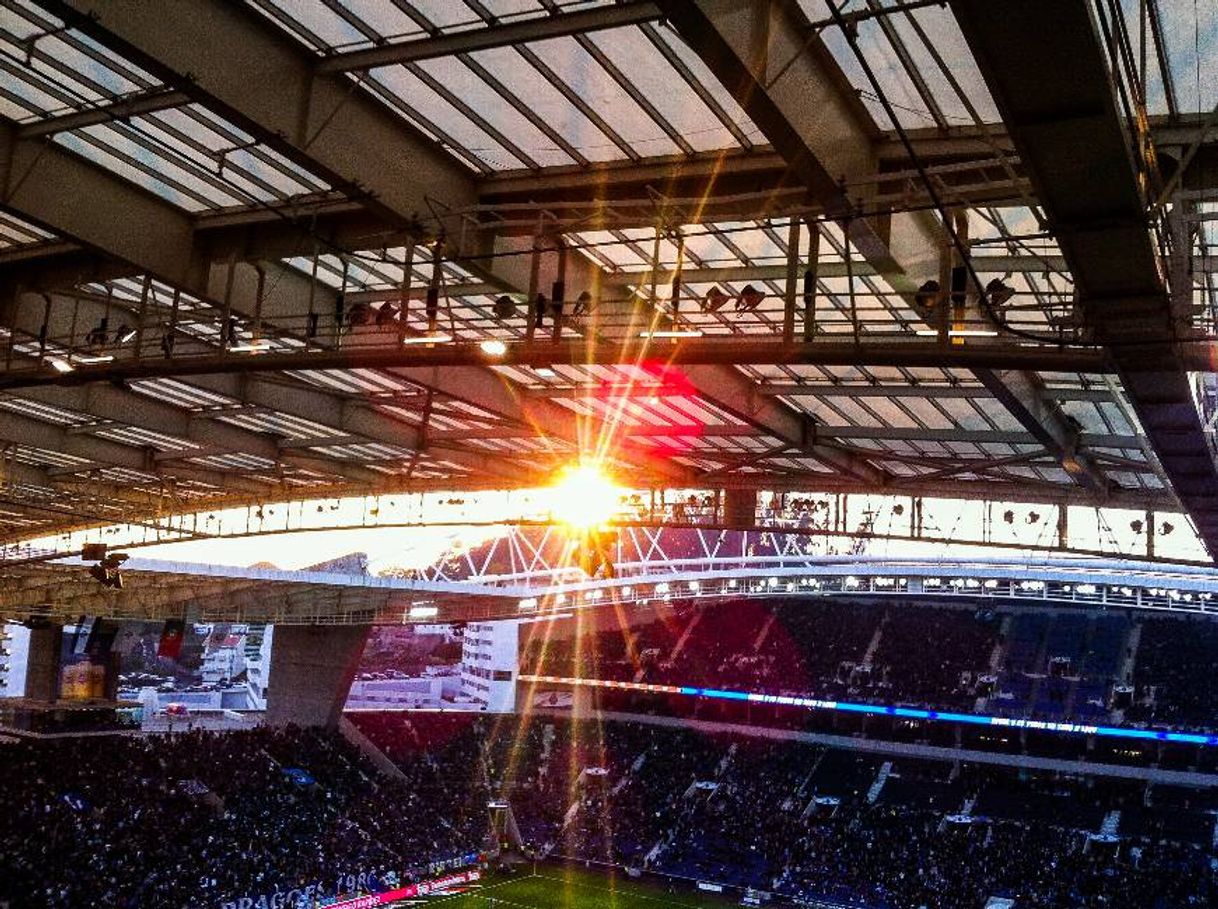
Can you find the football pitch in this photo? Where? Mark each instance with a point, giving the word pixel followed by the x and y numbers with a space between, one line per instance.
pixel 569 888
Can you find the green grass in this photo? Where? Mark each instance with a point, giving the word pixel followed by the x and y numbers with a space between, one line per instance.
pixel 569 888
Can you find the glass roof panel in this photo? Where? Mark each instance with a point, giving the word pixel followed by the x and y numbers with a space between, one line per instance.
pixel 388 19
pixel 417 95
pixel 50 62
pixel 900 50
pixel 1190 33
pixel 704 77
pixel 576 67
pixel 563 116
pixel 474 91
pixel 15 231
pixel 103 146
pixel 637 58
pixel 313 22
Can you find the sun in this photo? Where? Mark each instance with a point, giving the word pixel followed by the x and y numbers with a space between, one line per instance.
pixel 583 497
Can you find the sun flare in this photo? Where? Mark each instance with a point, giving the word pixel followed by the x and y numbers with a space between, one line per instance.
pixel 584 496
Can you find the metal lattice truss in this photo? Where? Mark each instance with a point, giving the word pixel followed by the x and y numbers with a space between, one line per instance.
pixel 207 593
pixel 254 253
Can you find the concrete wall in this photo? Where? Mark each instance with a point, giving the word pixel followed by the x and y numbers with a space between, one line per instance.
pixel 311 671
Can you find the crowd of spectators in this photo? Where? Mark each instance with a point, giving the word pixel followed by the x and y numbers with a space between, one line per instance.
pixel 850 828
pixel 198 819
pixel 1175 684
pixel 1051 664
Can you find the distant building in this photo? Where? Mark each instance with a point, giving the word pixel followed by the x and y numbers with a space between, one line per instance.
pixel 224 654
pixel 14 659
pixel 431 691
pixel 257 655
pixel 488 665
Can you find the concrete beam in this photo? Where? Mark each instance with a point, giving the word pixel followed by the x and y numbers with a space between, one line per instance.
pixel 100 211
pixel 312 667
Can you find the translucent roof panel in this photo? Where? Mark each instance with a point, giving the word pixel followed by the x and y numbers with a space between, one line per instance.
pixel 49 70
pixel 1189 42
pixel 192 158
pixel 358 24
pixel 919 57
pixel 620 93
pixel 15 232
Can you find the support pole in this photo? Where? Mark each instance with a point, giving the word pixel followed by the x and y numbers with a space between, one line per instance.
pixel 788 310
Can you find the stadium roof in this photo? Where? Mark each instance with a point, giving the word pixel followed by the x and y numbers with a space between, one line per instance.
pixel 219 233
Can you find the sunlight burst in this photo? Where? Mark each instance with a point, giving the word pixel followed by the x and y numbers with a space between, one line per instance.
pixel 584 497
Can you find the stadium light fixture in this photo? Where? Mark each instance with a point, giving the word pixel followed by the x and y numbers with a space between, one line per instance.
pixel 545 372
pixel 99 334
pixel 493 347
pixel 92 359
pixel 714 300
pixel 60 365
pixel 427 339
pixel 504 308
pixel 258 346
pixel 999 292
pixel 749 299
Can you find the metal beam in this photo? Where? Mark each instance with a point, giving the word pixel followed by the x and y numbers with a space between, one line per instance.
pixel 935 392
pixel 1056 97
pixel 728 352
pixel 972 436
pixel 505 34
pixel 102 453
pixel 123 109
pixel 792 88
pixel 739 396
pixel 741 273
